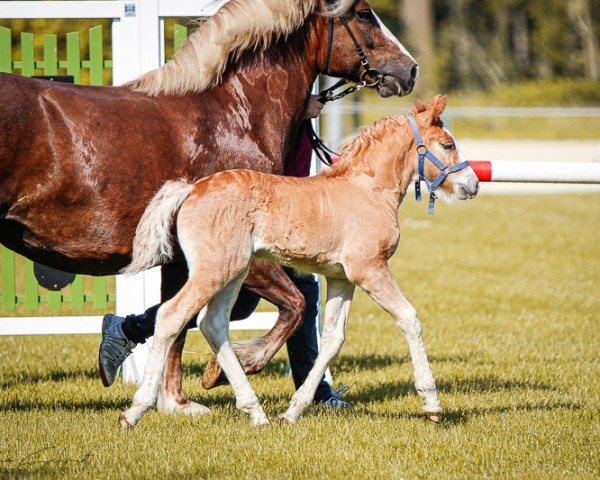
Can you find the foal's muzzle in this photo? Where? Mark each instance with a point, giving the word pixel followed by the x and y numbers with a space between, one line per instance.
pixel 467 188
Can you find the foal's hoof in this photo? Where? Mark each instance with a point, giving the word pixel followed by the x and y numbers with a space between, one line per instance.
pixel 284 418
pixel 123 422
pixel 213 375
pixel 187 408
pixel 435 417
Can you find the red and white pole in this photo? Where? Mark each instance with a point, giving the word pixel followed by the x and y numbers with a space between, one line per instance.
pixel 536 172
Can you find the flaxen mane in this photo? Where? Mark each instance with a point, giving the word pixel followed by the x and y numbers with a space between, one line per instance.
pixel 239 26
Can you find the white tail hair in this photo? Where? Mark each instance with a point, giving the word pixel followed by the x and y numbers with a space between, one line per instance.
pixel 153 242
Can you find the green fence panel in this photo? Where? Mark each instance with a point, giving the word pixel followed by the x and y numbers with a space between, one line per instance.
pixel 77 293
pixel 73 63
pixel 5 50
pixel 100 294
pixel 27 60
pixel 96 56
pixel 9 302
pixel 50 55
pixel 180 34
pixel 32 298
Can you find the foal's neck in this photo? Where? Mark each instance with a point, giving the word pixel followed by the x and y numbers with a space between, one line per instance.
pixel 382 158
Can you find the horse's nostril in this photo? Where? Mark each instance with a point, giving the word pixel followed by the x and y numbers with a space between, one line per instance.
pixel 414 72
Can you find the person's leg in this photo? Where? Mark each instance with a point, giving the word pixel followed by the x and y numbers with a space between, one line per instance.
pixel 303 345
pixel 121 335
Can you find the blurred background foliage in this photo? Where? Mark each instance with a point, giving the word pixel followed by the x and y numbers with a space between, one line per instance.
pixel 473 45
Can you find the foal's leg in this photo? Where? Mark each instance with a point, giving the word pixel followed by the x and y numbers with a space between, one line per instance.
pixel 382 288
pixel 215 327
pixel 171 397
pixel 170 321
pixel 337 309
pixel 269 281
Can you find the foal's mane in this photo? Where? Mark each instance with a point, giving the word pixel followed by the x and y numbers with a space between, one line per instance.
pixel 238 26
pixel 366 138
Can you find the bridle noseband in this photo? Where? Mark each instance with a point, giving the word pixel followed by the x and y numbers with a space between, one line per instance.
pixel 423 152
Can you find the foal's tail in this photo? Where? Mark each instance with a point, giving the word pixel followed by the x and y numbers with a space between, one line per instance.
pixel 153 242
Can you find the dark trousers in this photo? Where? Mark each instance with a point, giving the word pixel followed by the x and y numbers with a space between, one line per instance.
pixel 302 345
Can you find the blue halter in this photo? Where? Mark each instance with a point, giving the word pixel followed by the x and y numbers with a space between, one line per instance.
pixel 423 152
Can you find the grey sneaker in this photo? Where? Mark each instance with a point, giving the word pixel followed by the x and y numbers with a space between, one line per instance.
pixel 114 349
pixel 335 399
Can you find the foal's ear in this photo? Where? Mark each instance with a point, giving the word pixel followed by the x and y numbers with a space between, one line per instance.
pixel 435 107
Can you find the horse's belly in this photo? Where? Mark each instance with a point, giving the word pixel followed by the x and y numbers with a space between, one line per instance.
pixel 64 247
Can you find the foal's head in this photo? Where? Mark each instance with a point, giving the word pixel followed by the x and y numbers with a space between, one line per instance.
pixel 453 177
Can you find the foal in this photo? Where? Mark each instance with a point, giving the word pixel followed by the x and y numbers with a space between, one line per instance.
pixel 342 224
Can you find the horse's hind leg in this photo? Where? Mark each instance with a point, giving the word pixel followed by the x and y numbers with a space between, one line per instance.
pixel 170 321
pixel 171 398
pixel 215 327
pixel 269 281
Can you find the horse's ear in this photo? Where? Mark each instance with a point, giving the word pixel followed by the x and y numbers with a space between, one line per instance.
pixel 419 107
pixel 435 107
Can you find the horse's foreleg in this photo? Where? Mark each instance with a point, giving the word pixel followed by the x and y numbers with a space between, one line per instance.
pixel 269 281
pixel 170 321
pixel 337 309
pixel 382 288
pixel 215 327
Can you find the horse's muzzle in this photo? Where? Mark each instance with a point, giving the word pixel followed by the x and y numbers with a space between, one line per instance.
pixel 468 188
pixel 398 80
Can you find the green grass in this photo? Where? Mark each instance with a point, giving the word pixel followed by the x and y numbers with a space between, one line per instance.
pixel 507 291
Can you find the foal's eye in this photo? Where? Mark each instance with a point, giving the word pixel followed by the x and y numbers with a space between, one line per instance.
pixel 448 145
pixel 364 14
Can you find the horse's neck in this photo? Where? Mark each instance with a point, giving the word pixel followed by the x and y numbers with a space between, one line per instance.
pixel 281 80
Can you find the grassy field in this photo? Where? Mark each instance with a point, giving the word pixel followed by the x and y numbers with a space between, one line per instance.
pixel 507 290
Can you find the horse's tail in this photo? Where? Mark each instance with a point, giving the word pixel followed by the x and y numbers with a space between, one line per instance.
pixel 153 242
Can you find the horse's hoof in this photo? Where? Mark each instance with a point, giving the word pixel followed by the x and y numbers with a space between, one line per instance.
pixel 259 422
pixel 435 417
pixel 193 409
pixel 284 418
pixel 168 404
pixel 213 375
pixel 123 422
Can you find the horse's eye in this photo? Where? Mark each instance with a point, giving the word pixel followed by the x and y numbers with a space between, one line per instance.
pixel 364 14
pixel 448 145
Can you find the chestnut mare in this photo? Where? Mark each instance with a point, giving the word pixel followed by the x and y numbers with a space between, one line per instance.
pixel 316 224
pixel 79 164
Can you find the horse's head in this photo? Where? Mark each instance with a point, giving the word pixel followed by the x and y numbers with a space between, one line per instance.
pixel 440 161
pixel 359 47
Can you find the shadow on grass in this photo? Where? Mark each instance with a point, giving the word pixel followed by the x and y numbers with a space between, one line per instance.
pixel 24 378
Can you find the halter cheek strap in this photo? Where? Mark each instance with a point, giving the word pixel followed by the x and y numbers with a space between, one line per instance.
pixel 423 153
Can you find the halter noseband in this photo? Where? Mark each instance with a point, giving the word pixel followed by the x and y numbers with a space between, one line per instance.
pixel 423 153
